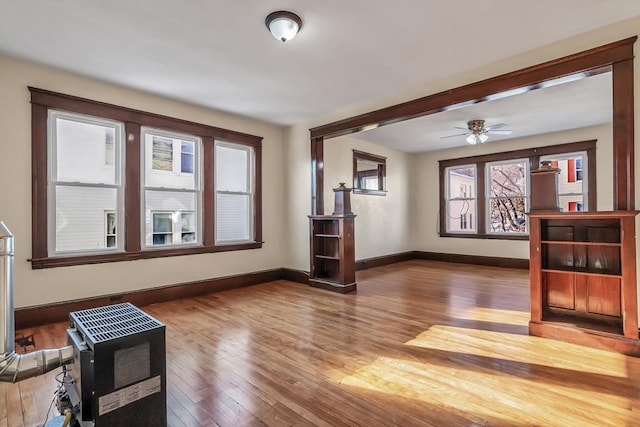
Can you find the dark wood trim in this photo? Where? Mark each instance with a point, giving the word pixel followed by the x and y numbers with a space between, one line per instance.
pixel 584 336
pixel 582 61
pixel 533 154
pixel 523 153
pixel 79 105
pixel 333 287
pixel 133 120
pixel 368 156
pixel 39 171
pixel 474 259
pixel 623 142
pixel 297 276
pixel 66 261
pixel 208 189
pixel 132 188
pixel 380 261
pixel 59 312
pixel 381 173
pixel 593 60
pixel 317 176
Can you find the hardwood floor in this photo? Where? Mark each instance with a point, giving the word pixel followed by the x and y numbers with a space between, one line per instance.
pixel 422 343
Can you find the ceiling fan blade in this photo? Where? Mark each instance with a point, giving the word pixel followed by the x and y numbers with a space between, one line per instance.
pixel 458 127
pixel 496 126
pixel 500 132
pixel 451 136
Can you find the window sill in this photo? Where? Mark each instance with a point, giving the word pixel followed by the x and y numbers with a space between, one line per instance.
pixel 486 236
pixel 66 261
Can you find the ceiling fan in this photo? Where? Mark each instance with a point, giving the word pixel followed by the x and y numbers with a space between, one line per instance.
pixel 478 133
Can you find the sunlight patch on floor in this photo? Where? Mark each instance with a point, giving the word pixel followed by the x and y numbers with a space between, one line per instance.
pixel 496 315
pixel 519 348
pixel 494 394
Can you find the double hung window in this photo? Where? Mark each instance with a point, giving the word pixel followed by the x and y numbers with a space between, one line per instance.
pixel 112 183
pixel 488 196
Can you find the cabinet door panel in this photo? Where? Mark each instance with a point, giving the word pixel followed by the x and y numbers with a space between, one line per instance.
pixel 560 290
pixel 603 294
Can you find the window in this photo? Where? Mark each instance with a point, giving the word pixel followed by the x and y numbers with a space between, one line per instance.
pixel 110 229
pixel 572 188
pixel 463 203
pixel 166 187
pixel 495 201
pixel 369 173
pixel 507 196
pixel 176 200
pixel 81 185
pixel 234 192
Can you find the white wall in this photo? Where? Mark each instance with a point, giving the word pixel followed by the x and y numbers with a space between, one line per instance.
pixel 35 287
pixel 382 222
pixel 426 194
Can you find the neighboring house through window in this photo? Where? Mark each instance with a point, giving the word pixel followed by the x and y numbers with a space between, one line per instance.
pixel 191 188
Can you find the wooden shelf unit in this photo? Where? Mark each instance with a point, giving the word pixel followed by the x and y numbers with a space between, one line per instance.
pixel 333 252
pixel 583 278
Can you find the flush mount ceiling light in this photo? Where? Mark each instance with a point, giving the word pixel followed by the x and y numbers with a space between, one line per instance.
pixel 283 25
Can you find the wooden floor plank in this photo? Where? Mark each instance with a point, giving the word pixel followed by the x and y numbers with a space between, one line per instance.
pixel 422 343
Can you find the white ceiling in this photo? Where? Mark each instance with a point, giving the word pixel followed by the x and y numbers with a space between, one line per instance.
pixel 218 53
pixel 581 103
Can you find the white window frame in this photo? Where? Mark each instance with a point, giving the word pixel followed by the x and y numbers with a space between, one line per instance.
pixel 488 197
pixel 197 190
pixel 470 228
pixel 53 183
pixel 251 179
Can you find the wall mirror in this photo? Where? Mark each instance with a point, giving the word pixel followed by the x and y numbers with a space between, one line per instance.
pixel 369 173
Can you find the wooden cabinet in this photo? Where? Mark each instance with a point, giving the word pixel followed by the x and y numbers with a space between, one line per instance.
pixel 583 278
pixel 333 252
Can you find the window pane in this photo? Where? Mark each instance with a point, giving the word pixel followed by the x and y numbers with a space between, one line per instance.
pixel 80 217
pixel 162 222
pixel 83 151
pixel 508 179
pixel 458 212
pixel 507 215
pixel 188 221
pixel 232 168
pixel 162 154
pixel 163 214
pixel 574 203
pixel 186 157
pixel 462 181
pixel 162 168
pixel 571 187
pixel 233 218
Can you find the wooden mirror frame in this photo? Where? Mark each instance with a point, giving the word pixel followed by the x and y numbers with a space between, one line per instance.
pixel 380 172
pixel 617 55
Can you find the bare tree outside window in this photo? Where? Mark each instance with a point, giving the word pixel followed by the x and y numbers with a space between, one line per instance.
pixel 508 197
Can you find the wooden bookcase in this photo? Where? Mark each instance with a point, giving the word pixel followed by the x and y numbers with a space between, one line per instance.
pixel 333 252
pixel 583 278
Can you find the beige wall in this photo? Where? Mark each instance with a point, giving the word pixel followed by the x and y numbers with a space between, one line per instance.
pixel 34 287
pixel 382 222
pixel 425 172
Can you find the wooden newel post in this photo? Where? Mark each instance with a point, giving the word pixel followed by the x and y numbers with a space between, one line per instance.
pixel 544 188
pixel 342 200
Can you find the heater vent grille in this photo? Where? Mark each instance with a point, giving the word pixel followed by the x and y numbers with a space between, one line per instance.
pixel 113 321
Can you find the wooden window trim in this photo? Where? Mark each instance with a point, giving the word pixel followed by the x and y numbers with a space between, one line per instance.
pixel 43 100
pixel 381 173
pixel 533 154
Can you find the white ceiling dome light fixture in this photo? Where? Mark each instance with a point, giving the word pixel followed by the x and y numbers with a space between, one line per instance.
pixel 283 25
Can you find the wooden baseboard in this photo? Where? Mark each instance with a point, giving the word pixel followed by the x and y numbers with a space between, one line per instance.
pixel 474 259
pixel 379 261
pixel 587 337
pixel 59 312
pixel 293 275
